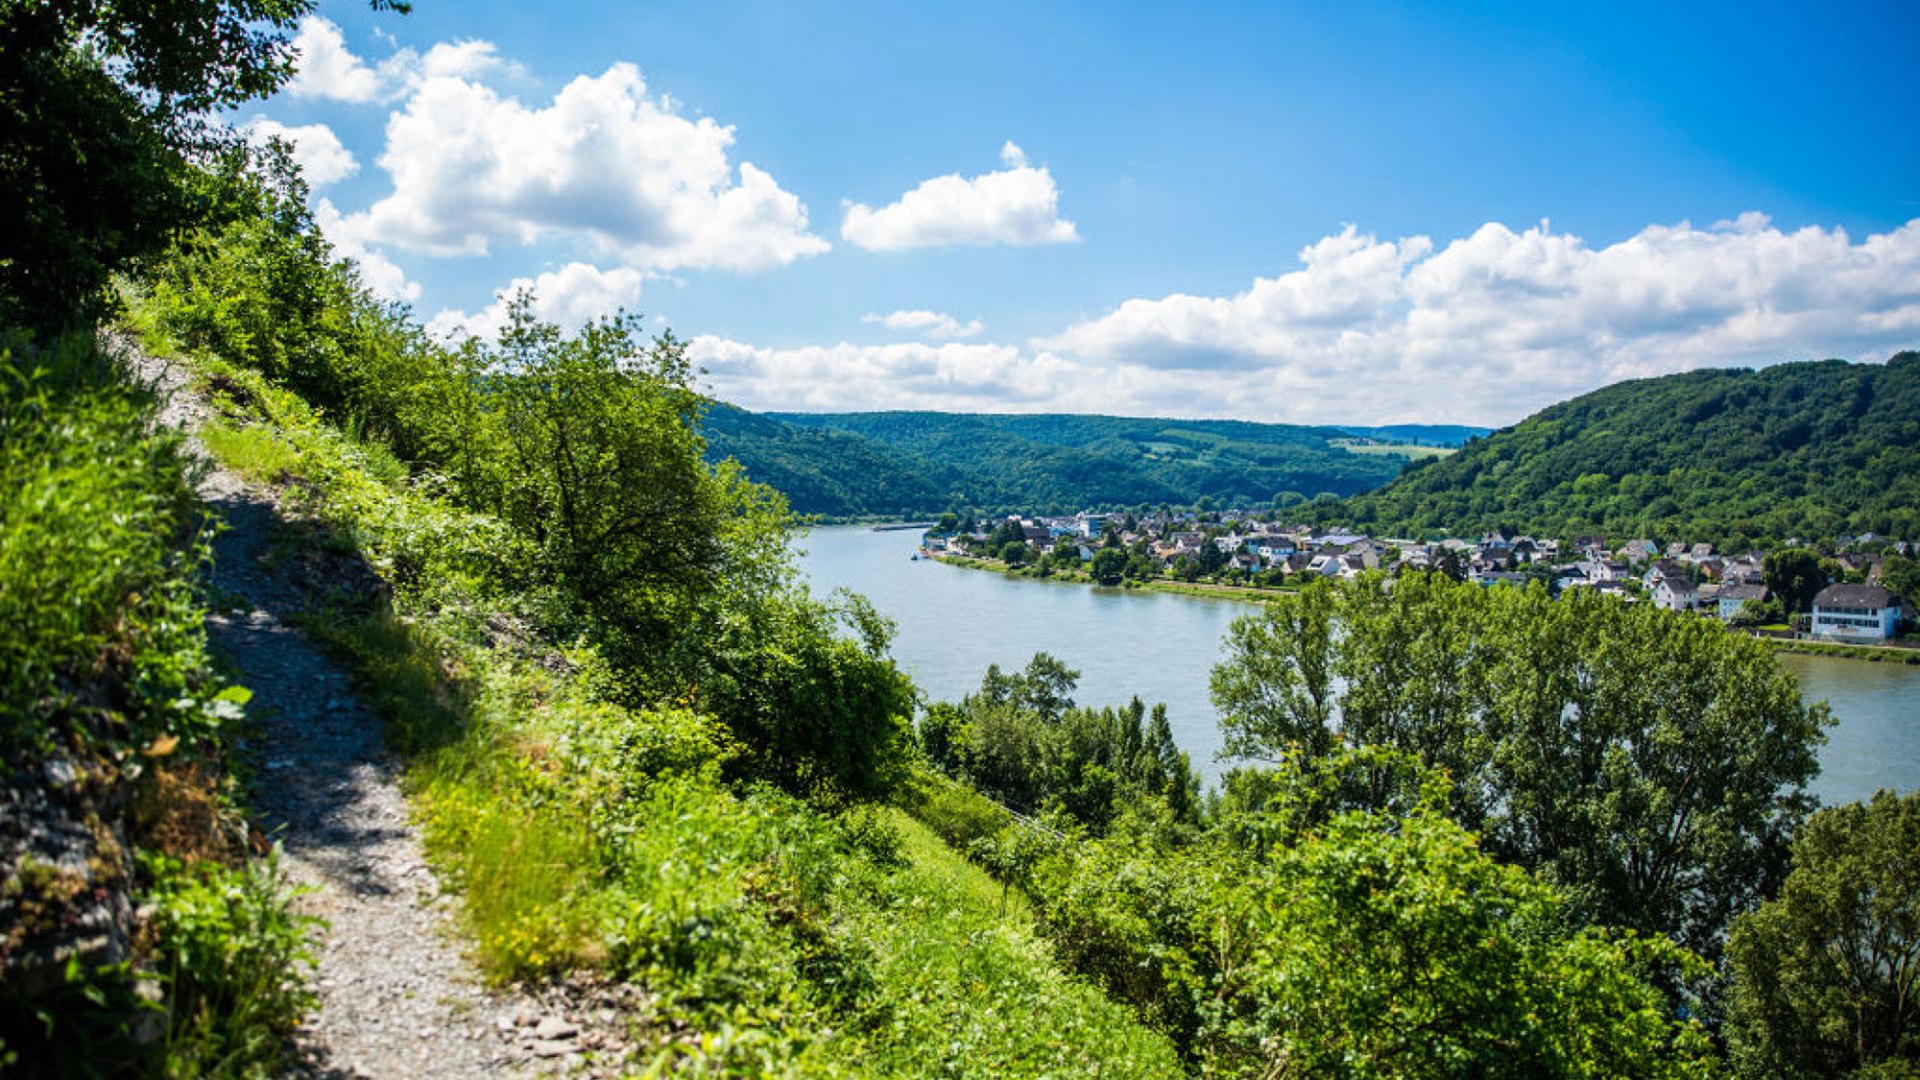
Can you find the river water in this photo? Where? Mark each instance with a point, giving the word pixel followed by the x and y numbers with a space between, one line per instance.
pixel 953 622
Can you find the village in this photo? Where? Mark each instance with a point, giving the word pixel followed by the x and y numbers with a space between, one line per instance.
pixel 1849 599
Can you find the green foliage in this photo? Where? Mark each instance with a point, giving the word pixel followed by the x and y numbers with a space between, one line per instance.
pixel 1650 764
pixel 907 464
pixel 1902 576
pixel 96 567
pixel 1109 565
pixel 1275 689
pixel 1794 576
pixel 1022 740
pixel 823 712
pixel 1356 942
pixel 1824 975
pixel 1735 457
pixel 232 958
pixel 102 107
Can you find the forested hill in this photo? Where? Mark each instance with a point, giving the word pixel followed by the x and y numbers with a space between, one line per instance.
pixel 1737 456
pixel 907 463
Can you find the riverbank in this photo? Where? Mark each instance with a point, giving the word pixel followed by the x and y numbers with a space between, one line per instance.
pixel 1249 593
pixel 1877 654
pixel 1886 654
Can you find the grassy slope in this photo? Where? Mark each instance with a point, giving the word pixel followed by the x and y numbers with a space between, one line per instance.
pixel 586 835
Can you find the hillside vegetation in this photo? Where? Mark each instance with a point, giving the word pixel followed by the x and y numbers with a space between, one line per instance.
pixel 1737 457
pixel 919 463
pixel 1473 832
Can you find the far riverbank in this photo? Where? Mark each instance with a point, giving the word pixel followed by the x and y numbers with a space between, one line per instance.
pixel 1876 654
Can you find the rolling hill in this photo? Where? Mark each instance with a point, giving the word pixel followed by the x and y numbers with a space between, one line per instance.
pixel 915 463
pixel 1735 456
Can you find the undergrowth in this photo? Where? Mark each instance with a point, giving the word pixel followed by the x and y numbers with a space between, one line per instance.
pixel 107 691
pixel 796 938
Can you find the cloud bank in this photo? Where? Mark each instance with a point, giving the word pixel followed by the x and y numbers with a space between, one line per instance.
pixel 1486 328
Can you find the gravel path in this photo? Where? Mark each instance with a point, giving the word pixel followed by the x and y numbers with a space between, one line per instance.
pixel 397 997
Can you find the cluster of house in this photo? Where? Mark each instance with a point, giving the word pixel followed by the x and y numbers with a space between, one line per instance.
pixel 1678 577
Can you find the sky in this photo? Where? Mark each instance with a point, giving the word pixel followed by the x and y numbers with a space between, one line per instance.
pixel 1355 213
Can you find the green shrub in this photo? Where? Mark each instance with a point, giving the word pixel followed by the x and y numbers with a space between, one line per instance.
pixel 232 958
pixel 96 562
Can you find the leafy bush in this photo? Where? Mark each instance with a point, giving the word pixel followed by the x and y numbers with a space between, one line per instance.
pixel 96 566
pixel 232 959
pixel 1359 943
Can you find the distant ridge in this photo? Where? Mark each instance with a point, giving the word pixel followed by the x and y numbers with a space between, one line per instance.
pixel 889 464
pixel 1805 450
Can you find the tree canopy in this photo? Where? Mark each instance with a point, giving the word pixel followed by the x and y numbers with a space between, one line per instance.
pixel 1826 976
pixel 1651 764
pixel 103 109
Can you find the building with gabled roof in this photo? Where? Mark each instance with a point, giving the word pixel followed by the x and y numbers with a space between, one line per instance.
pixel 1855 613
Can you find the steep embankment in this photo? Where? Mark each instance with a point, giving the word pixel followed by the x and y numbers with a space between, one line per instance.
pixel 1733 456
pixel 905 463
pixel 395 993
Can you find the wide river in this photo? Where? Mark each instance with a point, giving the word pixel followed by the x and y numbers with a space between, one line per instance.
pixel 954 622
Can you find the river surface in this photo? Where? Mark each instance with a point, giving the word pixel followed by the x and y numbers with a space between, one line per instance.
pixel 953 622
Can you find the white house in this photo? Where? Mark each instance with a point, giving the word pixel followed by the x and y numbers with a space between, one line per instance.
pixel 1673 592
pixel 1855 613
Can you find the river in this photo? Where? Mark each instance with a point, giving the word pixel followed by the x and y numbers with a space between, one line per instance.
pixel 953 622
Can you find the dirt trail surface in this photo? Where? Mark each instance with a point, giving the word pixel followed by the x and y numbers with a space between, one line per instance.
pixel 397 996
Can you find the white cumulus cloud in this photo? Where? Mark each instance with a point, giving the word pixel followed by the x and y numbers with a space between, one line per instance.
pixel 325 68
pixel 380 274
pixel 1017 205
pixel 1494 325
pixel 934 324
pixel 322 158
pixel 571 296
pixel 603 164
pixel 902 375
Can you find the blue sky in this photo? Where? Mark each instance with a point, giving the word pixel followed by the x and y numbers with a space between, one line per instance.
pixel 1311 213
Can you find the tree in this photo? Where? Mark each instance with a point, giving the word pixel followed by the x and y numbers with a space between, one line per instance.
pixel 1015 552
pixel 1902 576
pixel 1395 947
pixel 1109 565
pixel 1274 690
pixel 102 108
pixel 1793 575
pixel 1650 764
pixel 949 521
pixel 1826 976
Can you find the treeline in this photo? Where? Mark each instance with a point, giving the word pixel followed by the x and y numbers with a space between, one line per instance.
pixel 1736 457
pixel 924 463
pixel 1473 832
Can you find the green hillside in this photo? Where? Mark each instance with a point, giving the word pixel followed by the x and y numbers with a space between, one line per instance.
pixel 848 464
pixel 1738 456
pixel 831 473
